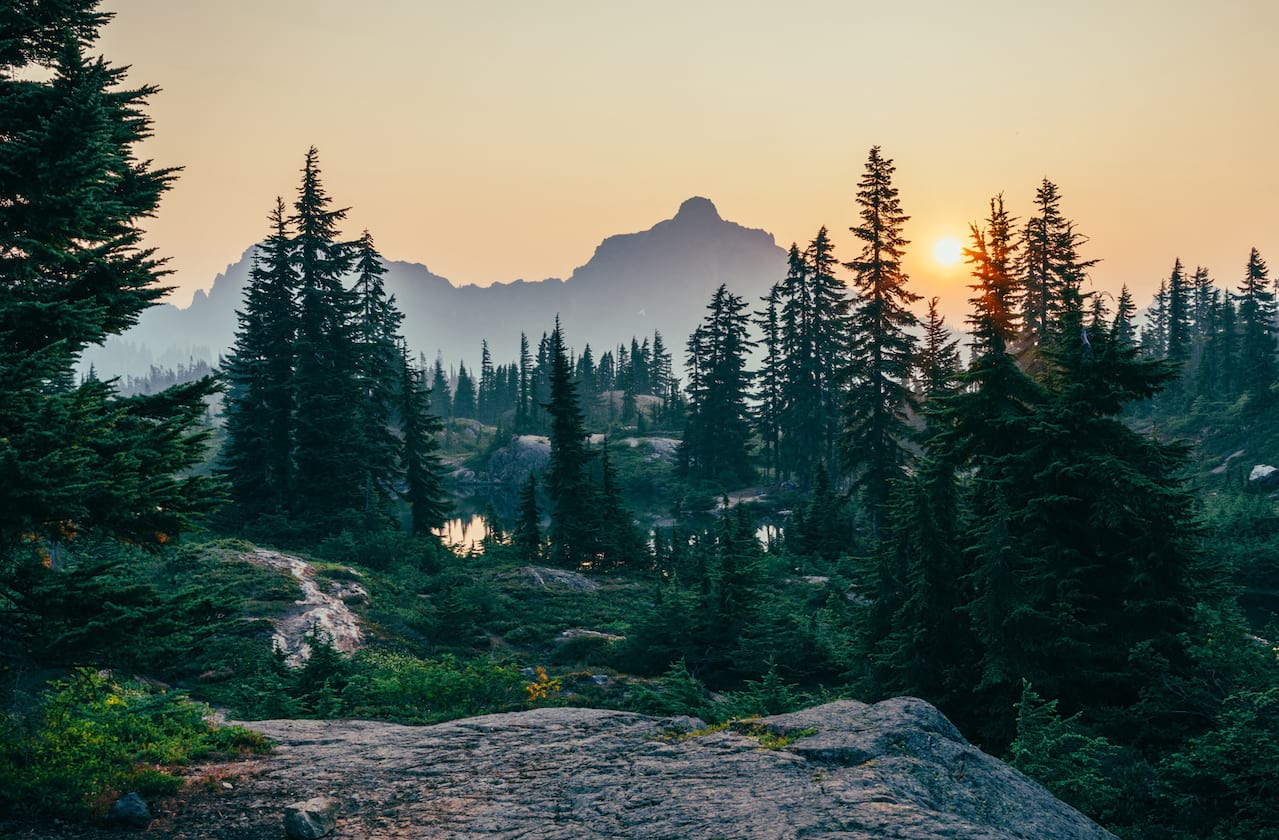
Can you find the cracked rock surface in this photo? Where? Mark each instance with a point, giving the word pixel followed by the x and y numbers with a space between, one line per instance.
pixel 895 769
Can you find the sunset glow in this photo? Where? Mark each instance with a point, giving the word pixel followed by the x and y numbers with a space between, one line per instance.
pixel 948 251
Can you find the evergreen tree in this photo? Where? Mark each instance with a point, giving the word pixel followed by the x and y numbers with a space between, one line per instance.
pixel 573 539
pixel 528 528
pixel 1178 324
pixel 1122 332
pixel 78 459
pixel 717 431
pixel 257 457
pixel 1051 272
pixel 523 408
pixel 768 411
pixel 464 394
pixel 441 402
pixel 1256 321
pixel 327 449
pixel 663 367
pixel 1154 335
pixel 938 360
pixel 423 484
pixel 379 376
pixel 619 541
pixel 586 376
pixel 877 399
pixel 486 393
pixel 829 330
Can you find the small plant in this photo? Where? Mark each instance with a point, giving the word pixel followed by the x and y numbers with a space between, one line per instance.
pixel 770 740
pixel 543 687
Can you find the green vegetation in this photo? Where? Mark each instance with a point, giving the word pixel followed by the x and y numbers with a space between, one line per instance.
pixel 1023 541
pixel 90 738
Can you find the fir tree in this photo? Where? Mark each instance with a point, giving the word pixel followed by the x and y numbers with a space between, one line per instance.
pixel 1256 330
pixel 379 376
pixel 877 399
pixel 573 539
pixel 78 459
pixel 423 485
pixel 464 393
pixel 938 360
pixel 717 431
pixel 1178 323
pixel 768 411
pixel 523 406
pixel 257 457
pixel 528 528
pixel 441 402
pixel 327 437
pixel 486 393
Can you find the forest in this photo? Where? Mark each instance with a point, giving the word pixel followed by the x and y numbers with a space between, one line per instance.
pixel 1045 521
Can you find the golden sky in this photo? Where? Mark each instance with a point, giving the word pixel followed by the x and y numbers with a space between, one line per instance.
pixel 499 140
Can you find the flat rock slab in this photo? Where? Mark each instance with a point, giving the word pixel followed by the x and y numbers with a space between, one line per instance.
pixel 896 769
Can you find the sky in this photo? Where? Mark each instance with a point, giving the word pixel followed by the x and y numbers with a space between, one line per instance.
pixel 494 141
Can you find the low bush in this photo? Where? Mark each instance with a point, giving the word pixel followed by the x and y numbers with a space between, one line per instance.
pixel 89 738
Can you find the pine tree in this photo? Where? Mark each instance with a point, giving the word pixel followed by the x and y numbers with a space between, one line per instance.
pixel 1154 335
pixel 257 457
pixel 1256 330
pixel 523 409
pixel 573 539
pixel 464 393
pixel 327 437
pixel 1122 332
pixel 619 541
pixel 938 360
pixel 441 401
pixel 379 376
pixel 1049 265
pixel 768 410
pixel 419 460
pixel 528 528
pixel 1178 324
pixel 877 399
pixel 486 393
pixel 717 432
pixel 829 330
pixel 800 410
pixel 78 459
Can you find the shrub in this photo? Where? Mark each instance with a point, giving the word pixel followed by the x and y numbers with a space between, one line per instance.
pixel 90 738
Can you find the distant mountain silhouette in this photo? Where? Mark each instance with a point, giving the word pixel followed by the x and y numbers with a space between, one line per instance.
pixel 635 283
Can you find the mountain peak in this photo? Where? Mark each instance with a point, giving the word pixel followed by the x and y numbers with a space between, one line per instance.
pixel 698 208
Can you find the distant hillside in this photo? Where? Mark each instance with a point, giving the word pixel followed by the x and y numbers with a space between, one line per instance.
pixel 634 283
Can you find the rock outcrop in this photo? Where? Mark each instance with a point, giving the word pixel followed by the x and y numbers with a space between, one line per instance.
pixel 324 612
pixel 896 769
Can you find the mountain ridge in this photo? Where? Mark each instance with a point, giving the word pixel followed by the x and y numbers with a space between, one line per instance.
pixel 633 283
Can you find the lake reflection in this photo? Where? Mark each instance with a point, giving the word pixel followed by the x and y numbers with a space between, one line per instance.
pixel 465 533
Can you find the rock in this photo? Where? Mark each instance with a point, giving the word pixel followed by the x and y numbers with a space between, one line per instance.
pixel 895 769
pixel 583 633
pixel 1263 477
pixel 547 577
pixel 312 818
pixel 130 811
pixel 511 464
pixel 681 724
pixel 318 610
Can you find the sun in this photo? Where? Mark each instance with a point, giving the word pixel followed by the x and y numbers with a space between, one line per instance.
pixel 948 251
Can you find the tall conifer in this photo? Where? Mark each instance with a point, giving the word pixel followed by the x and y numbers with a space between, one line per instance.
pixel 877 398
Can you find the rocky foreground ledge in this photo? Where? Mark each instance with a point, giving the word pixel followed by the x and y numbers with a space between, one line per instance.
pixel 896 769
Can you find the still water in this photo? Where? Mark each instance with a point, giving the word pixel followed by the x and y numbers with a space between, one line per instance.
pixel 466 533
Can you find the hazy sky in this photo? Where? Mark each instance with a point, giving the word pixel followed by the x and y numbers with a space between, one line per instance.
pixel 493 141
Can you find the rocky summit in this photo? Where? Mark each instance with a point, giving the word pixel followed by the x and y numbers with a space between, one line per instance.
pixel 895 769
